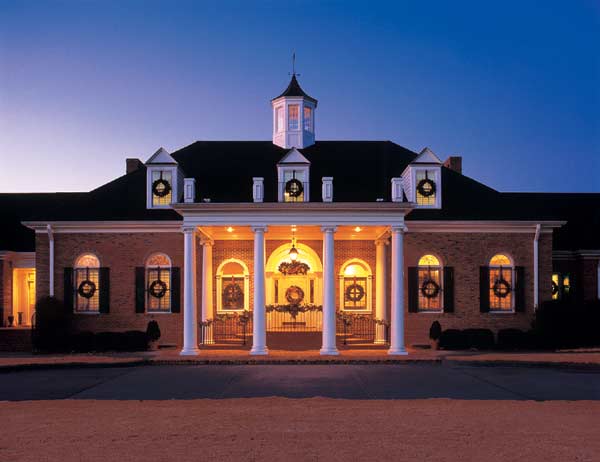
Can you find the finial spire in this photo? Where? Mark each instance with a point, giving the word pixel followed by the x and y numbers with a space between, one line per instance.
pixel 294 64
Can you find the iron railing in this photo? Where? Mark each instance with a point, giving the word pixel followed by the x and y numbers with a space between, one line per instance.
pixel 356 328
pixel 294 318
pixel 228 328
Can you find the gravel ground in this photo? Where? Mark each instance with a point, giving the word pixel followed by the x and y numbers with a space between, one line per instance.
pixel 274 429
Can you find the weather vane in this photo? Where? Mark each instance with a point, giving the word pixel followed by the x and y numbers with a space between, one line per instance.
pixel 294 64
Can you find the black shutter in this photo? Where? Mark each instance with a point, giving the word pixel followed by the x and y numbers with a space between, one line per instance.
pixel 140 289
pixel 175 290
pixel 448 289
pixel 519 289
pixel 413 290
pixel 104 280
pixel 484 289
pixel 69 291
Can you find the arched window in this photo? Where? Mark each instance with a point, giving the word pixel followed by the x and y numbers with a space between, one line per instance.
pixel 233 283
pixel 501 283
pixel 87 283
pixel 356 285
pixel 158 283
pixel 430 283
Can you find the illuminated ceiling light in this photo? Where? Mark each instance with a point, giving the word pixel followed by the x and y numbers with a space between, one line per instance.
pixel 358 229
pixel 293 253
pixel 229 229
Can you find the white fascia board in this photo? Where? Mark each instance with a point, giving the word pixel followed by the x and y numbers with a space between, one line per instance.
pixel 162 156
pixel 481 226
pixel 71 227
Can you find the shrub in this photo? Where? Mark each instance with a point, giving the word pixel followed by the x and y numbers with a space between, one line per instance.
pixel 513 339
pixel 481 339
pixel 135 340
pixel 435 331
pixel 152 331
pixel 106 341
pixel 82 342
pixel 453 339
pixel 52 325
pixel 564 324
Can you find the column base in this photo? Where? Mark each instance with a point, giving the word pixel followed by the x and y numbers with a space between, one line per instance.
pixel 329 352
pixel 397 351
pixel 379 341
pixel 259 351
pixel 190 352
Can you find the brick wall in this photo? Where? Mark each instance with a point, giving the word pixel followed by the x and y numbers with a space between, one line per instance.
pixel 465 252
pixel 584 276
pixel 5 291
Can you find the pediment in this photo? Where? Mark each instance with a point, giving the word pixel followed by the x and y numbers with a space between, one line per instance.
pixel 161 156
pixel 293 156
pixel 427 156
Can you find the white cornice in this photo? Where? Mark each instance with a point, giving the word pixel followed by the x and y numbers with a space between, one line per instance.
pixel 569 254
pixel 162 226
pixel 481 226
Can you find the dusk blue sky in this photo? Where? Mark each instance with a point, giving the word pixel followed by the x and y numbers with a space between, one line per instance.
pixel 514 88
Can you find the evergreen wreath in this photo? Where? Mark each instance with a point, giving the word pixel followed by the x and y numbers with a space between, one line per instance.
pixel 355 292
pixel 294 295
pixel 161 187
pixel 86 288
pixel 501 288
pixel 554 288
pixel 157 288
pixel 430 288
pixel 233 294
pixel 294 188
pixel 426 187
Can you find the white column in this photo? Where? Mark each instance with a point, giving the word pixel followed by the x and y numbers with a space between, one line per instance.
pixel 259 334
pixel 207 286
pixel 380 289
pixel 397 319
pixel 190 324
pixel 329 346
pixel 50 261
pixel 536 268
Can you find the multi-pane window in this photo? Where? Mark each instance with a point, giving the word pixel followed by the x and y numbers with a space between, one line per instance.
pixel 293 185
pixel 426 188
pixel 233 285
pixel 158 284
pixel 308 123
pixel 87 284
pixel 162 187
pixel 293 117
pixel 430 283
pixel 279 120
pixel 561 286
pixel 355 287
pixel 501 283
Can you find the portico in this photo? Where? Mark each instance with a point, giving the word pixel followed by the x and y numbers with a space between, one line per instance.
pixel 319 230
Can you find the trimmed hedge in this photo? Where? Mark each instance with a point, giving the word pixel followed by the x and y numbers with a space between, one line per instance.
pixel 85 342
pixel 560 324
pixel 52 325
pixel 453 339
pixel 480 339
pixel 515 339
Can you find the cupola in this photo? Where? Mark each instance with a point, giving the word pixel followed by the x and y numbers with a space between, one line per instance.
pixel 164 180
pixel 422 180
pixel 294 117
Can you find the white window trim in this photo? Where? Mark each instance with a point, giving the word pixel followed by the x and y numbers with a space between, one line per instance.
pixel 281 171
pixel 219 277
pixel 174 170
pixel 75 268
pixel 369 294
pixel 146 295
pixel 440 267
pixel 437 179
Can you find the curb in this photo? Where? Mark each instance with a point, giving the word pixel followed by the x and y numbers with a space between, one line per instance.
pixel 594 367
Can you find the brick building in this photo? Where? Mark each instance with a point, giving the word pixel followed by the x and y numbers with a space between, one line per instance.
pixel 296 235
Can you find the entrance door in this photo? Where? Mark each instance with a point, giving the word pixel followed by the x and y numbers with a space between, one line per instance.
pixel 23 296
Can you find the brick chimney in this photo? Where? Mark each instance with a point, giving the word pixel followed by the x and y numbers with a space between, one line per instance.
pixel 132 165
pixel 454 163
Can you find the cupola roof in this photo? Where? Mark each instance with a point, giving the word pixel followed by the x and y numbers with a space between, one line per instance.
pixel 294 89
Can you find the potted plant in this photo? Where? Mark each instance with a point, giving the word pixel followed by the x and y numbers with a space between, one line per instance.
pixel 152 335
pixel 11 319
pixel 435 332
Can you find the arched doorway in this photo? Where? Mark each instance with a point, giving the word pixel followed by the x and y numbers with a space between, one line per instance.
pixel 294 290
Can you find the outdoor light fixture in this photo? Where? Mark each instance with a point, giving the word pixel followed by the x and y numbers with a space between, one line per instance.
pixel 229 229
pixel 293 251
pixel 358 229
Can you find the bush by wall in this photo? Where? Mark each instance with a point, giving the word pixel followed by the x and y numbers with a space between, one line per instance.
pixel 85 342
pixel 52 325
pixel 453 339
pixel 561 324
pixel 515 339
pixel 480 339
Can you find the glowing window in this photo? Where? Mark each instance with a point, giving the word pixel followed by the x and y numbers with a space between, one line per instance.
pixel 233 286
pixel 158 283
pixel 162 188
pixel 279 122
pixel 293 185
pixel 87 284
pixel 308 124
pixel 430 283
pixel 501 283
pixel 426 187
pixel 355 286
pixel 293 117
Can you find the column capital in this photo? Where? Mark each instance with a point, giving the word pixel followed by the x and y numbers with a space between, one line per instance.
pixel 383 240
pixel 259 228
pixel 398 228
pixel 187 229
pixel 329 228
pixel 207 242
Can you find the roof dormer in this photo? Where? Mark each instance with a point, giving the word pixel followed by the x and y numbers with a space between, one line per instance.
pixel 294 117
pixel 293 177
pixel 422 180
pixel 164 180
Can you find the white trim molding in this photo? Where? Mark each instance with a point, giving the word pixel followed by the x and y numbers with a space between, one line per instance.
pixel 481 226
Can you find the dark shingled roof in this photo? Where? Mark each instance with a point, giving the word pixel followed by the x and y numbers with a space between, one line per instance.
pixel 362 172
pixel 294 89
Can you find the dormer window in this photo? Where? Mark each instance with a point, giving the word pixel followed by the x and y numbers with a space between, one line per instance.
pixel 293 178
pixel 293 117
pixel 162 188
pixel 426 188
pixel 293 190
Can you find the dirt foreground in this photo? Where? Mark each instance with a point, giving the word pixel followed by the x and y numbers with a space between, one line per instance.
pixel 280 429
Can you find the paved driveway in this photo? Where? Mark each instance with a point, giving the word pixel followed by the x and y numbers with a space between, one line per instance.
pixel 301 381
